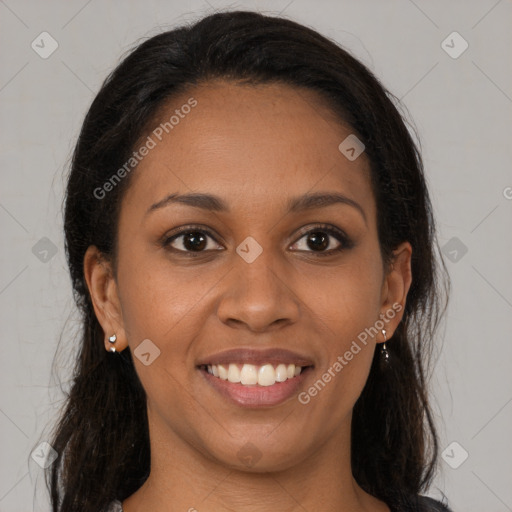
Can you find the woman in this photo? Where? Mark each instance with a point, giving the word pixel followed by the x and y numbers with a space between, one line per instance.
pixel 251 243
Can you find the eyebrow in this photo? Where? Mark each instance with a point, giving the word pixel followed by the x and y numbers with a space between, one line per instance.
pixel 294 205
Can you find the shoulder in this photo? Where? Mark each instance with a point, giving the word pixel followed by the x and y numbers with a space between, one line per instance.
pixel 424 504
pixel 411 504
pixel 417 503
pixel 114 506
pixel 432 505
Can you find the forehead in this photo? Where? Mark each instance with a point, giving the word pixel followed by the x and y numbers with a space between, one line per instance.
pixel 253 145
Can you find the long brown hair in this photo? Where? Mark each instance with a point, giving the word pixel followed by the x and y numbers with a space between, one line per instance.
pixel 102 437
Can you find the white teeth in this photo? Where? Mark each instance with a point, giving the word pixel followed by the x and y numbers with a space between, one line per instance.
pixel 250 374
pixel 233 373
pixel 266 375
pixel 281 373
pixel 223 373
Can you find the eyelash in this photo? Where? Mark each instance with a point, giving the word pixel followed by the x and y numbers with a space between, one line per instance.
pixel 338 234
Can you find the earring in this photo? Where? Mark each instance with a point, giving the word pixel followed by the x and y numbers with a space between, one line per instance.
pixel 112 339
pixel 384 350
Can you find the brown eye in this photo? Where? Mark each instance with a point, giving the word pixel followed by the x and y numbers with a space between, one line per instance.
pixel 194 241
pixel 317 240
pixel 190 240
pixel 322 240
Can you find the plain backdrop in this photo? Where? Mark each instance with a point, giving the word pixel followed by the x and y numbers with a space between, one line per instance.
pixel 460 100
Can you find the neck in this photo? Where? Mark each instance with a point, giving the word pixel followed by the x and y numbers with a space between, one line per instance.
pixel 182 478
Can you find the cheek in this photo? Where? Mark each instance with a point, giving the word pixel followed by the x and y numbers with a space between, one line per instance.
pixel 167 304
pixel 347 314
pixel 349 342
pixel 351 297
pixel 161 303
pixel 348 346
pixel 157 296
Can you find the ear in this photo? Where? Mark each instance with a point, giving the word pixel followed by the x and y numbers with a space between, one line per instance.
pixel 395 288
pixel 104 296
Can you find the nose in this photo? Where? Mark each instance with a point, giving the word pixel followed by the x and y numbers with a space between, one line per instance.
pixel 259 296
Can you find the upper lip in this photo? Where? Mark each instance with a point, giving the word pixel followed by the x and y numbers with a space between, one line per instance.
pixel 256 357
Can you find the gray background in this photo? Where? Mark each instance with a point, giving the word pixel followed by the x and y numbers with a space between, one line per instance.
pixel 462 109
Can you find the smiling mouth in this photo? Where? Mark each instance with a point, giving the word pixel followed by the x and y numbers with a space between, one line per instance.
pixel 254 375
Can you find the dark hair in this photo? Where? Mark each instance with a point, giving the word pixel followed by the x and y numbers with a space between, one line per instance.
pixel 102 437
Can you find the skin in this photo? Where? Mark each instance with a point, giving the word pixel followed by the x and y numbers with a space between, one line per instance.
pixel 255 147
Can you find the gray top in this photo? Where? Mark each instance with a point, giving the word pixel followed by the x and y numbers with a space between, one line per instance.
pixel 115 506
pixel 426 504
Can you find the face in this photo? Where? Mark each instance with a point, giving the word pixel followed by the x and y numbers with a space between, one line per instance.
pixel 247 284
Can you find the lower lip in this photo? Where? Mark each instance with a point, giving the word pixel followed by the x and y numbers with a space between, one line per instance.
pixel 257 396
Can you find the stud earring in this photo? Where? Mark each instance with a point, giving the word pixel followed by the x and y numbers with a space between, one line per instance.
pixel 112 339
pixel 384 350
